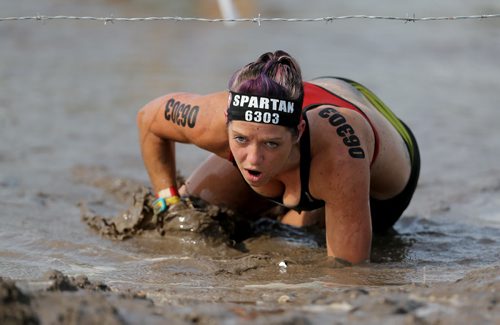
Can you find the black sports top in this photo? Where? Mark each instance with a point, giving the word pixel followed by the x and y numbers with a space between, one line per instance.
pixel 307 202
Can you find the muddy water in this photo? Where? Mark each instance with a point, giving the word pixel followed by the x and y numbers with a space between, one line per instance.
pixel 69 92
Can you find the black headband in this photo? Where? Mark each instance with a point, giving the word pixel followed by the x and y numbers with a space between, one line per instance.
pixel 263 109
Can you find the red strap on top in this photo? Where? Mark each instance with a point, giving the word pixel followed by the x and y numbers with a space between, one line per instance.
pixel 314 95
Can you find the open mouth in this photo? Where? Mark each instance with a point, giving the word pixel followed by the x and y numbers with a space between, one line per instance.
pixel 254 172
pixel 253 176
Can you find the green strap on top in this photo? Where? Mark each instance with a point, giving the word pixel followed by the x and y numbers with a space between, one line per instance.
pixel 386 112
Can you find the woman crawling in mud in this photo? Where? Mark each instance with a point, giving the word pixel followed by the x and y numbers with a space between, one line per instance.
pixel 328 150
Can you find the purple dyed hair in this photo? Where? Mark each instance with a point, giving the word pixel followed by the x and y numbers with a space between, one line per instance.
pixel 272 74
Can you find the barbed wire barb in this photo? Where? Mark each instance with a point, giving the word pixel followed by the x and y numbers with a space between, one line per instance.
pixel 259 19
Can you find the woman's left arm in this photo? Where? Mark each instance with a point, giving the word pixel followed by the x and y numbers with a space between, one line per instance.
pixel 340 175
pixel 347 216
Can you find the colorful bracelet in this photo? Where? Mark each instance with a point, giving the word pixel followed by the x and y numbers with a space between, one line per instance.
pixel 168 192
pixel 166 198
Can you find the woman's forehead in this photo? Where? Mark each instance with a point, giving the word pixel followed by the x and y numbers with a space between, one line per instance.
pixel 244 128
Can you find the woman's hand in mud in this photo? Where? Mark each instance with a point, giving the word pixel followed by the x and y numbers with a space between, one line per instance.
pixel 337 262
pixel 161 210
pixel 162 205
pixel 184 204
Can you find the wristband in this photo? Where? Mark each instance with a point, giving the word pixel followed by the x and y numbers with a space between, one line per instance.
pixel 172 200
pixel 168 192
pixel 166 198
pixel 159 205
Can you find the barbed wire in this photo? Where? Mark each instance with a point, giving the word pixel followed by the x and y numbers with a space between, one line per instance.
pixel 257 20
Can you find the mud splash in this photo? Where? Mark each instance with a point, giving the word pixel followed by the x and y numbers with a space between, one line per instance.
pixel 196 227
pixel 210 223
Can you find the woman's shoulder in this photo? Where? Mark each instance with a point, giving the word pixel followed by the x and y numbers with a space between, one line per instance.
pixel 341 149
pixel 339 134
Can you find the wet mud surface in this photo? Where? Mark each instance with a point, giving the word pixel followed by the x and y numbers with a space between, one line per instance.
pixel 473 299
pixel 233 278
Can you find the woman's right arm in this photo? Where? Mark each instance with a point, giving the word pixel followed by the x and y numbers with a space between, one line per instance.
pixel 179 117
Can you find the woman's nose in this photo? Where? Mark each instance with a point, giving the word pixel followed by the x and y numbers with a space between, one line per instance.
pixel 254 156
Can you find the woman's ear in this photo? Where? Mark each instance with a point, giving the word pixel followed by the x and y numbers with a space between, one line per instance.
pixel 300 128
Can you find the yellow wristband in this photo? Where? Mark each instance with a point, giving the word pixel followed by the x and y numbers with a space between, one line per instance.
pixel 172 200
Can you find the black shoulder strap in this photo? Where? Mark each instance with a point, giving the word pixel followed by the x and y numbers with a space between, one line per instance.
pixel 305 162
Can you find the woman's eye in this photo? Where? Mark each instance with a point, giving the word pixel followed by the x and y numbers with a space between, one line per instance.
pixel 272 145
pixel 240 139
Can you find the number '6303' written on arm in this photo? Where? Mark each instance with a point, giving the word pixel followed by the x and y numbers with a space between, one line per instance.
pixel 344 130
pixel 180 113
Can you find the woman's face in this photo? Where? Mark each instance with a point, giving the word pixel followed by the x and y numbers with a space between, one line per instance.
pixel 260 150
